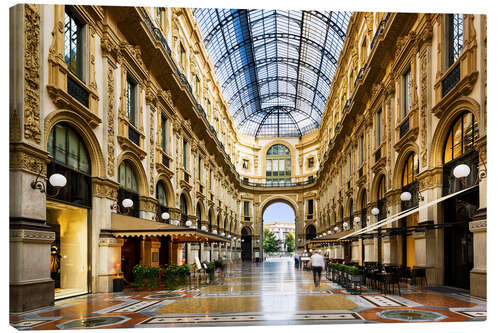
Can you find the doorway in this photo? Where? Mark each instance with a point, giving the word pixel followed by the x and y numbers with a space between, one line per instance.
pixel 246 244
pixel 69 252
pixel 131 256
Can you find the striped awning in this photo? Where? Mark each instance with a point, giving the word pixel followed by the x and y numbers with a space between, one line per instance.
pixel 129 226
pixel 333 238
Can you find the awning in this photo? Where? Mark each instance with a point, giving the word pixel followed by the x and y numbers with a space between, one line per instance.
pixel 129 226
pixel 333 238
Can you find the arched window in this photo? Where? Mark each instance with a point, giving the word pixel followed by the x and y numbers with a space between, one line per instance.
pixel 381 202
pixel 127 177
pixel 209 221
pixel 459 149
pixel 461 137
pixel 410 170
pixel 351 213
pixel 71 159
pixel 129 188
pixel 363 209
pixel 68 149
pixel 341 215
pixel 161 194
pixel 278 164
pixel 381 188
pixel 198 215
pixel 310 232
pixel 183 206
pixel 409 181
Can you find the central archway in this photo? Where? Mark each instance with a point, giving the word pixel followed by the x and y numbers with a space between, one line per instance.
pixel 279 226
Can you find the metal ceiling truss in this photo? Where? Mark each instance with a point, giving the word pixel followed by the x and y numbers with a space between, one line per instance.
pixel 275 66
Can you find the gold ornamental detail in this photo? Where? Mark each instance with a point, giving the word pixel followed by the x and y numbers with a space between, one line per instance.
pixel 32 72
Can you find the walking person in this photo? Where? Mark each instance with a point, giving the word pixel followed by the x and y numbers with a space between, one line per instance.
pixel 317 264
pixel 296 258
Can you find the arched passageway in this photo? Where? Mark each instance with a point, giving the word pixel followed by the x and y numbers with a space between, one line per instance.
pixel 246 244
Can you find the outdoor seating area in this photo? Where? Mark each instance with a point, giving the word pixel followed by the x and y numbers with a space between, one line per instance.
pixel 387 279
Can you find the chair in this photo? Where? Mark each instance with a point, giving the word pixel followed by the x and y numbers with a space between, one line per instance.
pixel 419 273
pixel 391 279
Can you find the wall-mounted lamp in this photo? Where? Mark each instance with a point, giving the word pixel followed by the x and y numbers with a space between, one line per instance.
pixel 357 219
pixel 214 232
pixel 165 216
pixel 375 211
pixel 203 228
pixel 406 196
pixel 126 203
pixel 56 180
pixel 345 225
pixel 336 229
pixel 189 223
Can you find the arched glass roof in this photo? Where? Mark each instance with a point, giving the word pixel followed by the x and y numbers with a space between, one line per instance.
pixel 275 67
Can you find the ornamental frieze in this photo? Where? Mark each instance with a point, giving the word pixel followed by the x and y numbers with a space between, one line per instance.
pixel 111 121
pixel 32 73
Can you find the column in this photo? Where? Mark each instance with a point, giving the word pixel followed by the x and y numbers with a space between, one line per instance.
pixel 479 229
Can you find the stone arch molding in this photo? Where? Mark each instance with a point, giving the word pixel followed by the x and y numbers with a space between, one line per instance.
pixel 400 161
pixel 454 110
pixel 82 127
pixel 279 198
pixel 139 168
pixel 168 186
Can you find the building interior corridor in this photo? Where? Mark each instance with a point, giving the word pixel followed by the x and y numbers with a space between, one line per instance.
pixel 148 142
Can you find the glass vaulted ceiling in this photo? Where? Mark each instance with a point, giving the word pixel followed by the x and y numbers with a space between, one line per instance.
pixel 275 66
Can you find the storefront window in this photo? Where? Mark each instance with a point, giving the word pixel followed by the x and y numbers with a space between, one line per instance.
pixel 68 256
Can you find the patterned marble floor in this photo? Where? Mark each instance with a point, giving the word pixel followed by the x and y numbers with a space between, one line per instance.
pixel 270 293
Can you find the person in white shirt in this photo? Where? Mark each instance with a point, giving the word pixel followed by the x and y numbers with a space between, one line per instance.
pixel 296 258
pixel 317 264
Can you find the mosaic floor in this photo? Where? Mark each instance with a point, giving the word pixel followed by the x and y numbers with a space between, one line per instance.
pixel 271 293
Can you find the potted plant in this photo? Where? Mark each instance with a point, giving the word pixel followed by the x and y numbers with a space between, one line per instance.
pixel 152 275
pixel 139 272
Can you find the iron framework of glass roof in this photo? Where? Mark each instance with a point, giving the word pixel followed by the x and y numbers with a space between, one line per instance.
pixel 275 66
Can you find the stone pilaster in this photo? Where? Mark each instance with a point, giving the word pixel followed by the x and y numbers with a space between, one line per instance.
pixel 478 273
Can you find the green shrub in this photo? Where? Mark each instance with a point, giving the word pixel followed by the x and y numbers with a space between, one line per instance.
pixel 139 272
pixel 152 276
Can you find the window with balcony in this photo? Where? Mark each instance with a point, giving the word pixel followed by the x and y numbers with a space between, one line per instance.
pixel 406 93
pixel 310 207
pixel 164 134
pixel 73 42
pixel 310 162
pixel 361 149
pixel 278 164
pixel 185 154
pixel 160 12
pixel 379 128
pixel 130 111
pixel 182 56
pixel 246 208
pixel 455 37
